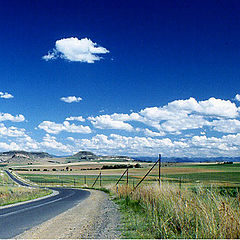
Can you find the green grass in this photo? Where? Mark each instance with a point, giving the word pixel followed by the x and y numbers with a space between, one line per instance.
pixel 170 212
pixel 75 180
pixel 9 195
pixel 10 192
pixel 220 167
pixel 231 177
pixel 5 180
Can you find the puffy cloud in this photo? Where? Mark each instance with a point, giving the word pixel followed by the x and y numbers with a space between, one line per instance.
pixel 108 122
pixel 79 118
pixel 117 144
pixel 237 97
pixel 9 146
pixel 189 122
pixel 77 50
pixel 9 117
pixel 196 146
pixel 151 133
pixel 55 128
pixel 226 125
pixel 182 108
pixel 71 99
pixel 11 131
pixel 50 142
pixel 5 95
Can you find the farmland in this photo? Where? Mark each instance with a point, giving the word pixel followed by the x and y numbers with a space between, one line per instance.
pixel 208 174
pixel 192 202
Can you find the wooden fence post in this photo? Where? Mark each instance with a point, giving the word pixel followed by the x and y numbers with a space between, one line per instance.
pixel 159 170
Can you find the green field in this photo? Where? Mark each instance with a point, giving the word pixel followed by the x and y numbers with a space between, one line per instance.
pixel 188 173
pixel 228 177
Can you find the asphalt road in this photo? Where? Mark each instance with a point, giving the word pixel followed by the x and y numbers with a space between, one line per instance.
pixel 17 219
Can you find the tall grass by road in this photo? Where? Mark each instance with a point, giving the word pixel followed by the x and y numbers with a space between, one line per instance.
pixel 9 195
pixel 170 212
pixel 10 192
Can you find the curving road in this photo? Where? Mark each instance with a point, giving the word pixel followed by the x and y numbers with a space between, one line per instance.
pixel 17 219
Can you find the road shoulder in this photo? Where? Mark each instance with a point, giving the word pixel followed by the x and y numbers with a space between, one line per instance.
pixel 96 217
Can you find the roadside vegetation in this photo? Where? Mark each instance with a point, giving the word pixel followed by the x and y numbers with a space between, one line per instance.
pixel 170 212
pixel 194 201
pixel 12 193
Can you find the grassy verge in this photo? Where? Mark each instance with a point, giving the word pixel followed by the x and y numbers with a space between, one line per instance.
pixel 9 195
pixel 170 212
pixel 10 192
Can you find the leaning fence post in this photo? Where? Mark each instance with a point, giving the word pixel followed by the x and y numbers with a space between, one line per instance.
pixel 127 176
pixel 96 179
pixel 100 179
pixel 146 174
pixel 121 176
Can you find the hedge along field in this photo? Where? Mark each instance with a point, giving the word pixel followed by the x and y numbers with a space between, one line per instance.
pixel 12 193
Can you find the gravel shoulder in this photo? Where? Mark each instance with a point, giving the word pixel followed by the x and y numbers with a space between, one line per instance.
pixel 97 217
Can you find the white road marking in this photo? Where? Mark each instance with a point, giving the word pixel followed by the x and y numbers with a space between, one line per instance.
pixel 40 205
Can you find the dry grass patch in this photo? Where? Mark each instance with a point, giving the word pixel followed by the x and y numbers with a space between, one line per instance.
pixel 171 212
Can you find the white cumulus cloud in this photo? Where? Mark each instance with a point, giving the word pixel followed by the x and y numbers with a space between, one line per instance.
pixel 79 119
pixel 5 95
pixel 76 50
pixel 237 97
pixel 71 99
pixel 55 128
pixel 108 122
pixel 9 117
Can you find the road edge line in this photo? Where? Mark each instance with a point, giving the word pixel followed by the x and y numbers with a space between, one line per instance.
pixel 54 193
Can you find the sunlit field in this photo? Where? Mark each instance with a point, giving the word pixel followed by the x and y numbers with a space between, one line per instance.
pixel 188 174
pixel 192 200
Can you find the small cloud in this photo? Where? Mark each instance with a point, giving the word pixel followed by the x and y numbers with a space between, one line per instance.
pixel 50 55
pixel 237 97
pixel 10 117
pixel 76 50
pixel 70 139
pixel 80 119
pixel 5 95
pixel 71 99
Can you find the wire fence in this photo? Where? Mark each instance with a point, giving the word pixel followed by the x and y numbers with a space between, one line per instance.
pixel 128 177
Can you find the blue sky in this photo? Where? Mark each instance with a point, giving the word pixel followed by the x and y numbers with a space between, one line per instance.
pixel 120 77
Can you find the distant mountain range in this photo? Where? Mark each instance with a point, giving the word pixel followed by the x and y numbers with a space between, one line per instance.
pixel 23 156
pixel 185 159
pixel 89 156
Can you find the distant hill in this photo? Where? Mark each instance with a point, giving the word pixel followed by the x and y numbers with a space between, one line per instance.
pixel 89 156
pixel 84 155
pixel 23 155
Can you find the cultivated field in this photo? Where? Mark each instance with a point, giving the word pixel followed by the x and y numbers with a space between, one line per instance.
pixel 184 174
